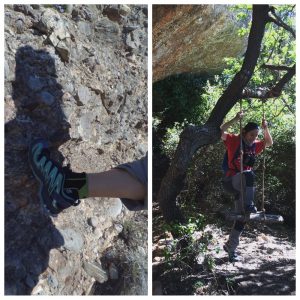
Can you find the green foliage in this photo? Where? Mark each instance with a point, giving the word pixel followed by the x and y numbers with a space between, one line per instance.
pixel 230 282
pixel 280 175
pixel 177 101
pixel 278 45
pixel 171 139
pixel 192 241
pixel 210 262
pixel 193 224
pixel 166 125
pixel 243 15
pixel 177 98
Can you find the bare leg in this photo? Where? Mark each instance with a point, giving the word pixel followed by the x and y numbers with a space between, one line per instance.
pixel 115 183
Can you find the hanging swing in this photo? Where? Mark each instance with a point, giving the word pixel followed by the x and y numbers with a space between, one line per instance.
pixel 259 216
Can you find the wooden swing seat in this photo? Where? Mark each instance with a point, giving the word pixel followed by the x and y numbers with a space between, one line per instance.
pixel 260 216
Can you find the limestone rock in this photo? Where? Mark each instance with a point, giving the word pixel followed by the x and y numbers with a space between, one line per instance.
pixel 49 21
pixel 95 270
pixel 73 241
pixel 116 13
pixel 193 38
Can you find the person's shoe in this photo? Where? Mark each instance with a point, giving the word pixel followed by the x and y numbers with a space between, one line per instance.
pixel 251 209
pixel 232 255
pixel 51 177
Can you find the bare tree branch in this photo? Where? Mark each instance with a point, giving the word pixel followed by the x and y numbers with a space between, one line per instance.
pixel 277 20
pixel 276 68
pixel 259 93
pixel 275 91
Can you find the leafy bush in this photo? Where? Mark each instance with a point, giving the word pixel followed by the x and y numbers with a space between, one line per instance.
pixel 192 241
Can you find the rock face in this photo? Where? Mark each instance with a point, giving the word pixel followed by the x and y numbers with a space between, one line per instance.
pixel 193 38
pixel 75 75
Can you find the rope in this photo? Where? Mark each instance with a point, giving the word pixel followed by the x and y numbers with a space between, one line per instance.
pixel 241 159
pixel 264 165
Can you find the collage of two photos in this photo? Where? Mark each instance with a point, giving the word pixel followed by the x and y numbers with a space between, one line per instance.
pixel 78 117
pixel 76 143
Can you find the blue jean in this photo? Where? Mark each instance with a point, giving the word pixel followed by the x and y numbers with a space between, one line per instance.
pixel 139 170
pixel 248 199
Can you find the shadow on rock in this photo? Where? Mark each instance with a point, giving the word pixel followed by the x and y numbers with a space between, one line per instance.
pixel 27 254
pixel 34 100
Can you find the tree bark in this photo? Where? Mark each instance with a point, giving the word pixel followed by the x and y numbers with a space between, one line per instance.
pixel 195 137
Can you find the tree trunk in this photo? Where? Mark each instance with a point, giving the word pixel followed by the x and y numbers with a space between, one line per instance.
pixel 195 137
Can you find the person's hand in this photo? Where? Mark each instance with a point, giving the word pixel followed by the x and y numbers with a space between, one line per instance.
pixel 239 115
pixel 264 124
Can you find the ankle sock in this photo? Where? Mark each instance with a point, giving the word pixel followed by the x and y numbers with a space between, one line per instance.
pixel 77 181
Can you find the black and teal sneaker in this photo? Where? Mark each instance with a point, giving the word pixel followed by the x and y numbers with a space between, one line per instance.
pixel 251 209
pixel 54 197
pixel 232 255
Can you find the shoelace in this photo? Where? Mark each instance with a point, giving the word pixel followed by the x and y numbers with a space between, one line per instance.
pixel 52 176
pixel 54 180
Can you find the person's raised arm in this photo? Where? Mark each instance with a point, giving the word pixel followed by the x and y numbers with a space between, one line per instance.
pixel 226 125
pixel 267 136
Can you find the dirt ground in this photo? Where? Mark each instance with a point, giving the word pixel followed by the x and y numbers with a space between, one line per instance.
pixel 267 266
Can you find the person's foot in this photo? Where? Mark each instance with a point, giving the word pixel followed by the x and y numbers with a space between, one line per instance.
pixel 232 254
pixel 51 177
pixel 251 209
